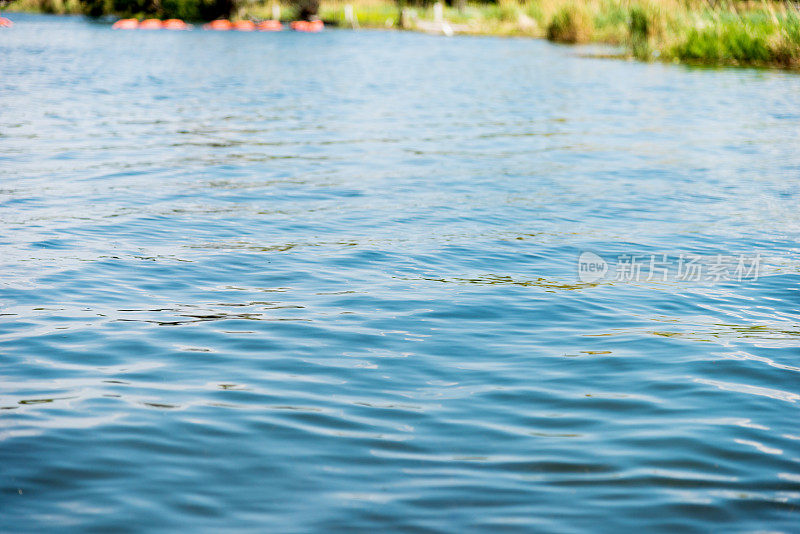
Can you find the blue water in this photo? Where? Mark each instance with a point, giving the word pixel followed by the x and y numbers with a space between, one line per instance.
pixel 290 282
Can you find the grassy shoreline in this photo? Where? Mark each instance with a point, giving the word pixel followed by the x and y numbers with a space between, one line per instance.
pixel 761 34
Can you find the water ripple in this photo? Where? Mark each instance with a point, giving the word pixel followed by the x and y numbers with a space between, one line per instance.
pixel 329 283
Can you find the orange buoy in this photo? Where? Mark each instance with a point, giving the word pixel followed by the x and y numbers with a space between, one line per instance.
pixel 175 24
pixel 5 23
pixel 307 26
pixel 150 24
pixel 125 24
pixel 270 26
pixel 218 25
pixel 244 26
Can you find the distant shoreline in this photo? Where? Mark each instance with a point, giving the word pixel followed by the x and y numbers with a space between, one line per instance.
pixel 762 34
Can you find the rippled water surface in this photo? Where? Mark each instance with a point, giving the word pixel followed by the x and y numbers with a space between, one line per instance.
pixel 290 282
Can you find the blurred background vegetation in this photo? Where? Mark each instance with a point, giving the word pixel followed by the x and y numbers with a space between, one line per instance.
pixel 726 32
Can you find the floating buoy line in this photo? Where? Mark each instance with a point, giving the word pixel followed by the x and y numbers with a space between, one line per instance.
pixel 308 26
pixel 311 26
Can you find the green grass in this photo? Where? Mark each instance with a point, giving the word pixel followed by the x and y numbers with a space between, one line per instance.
pixel 758 37
pixel 59 7
pixel 371 15
pixel 571 24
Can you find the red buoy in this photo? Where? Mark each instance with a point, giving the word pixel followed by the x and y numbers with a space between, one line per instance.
pixel 312 26
pixel 125 24
pixel 244 26
pixel 175 24
pixel 218 25
pixel 270 26
pixel 150 24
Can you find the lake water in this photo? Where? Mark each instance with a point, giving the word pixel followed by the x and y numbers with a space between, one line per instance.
pixel 291 282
